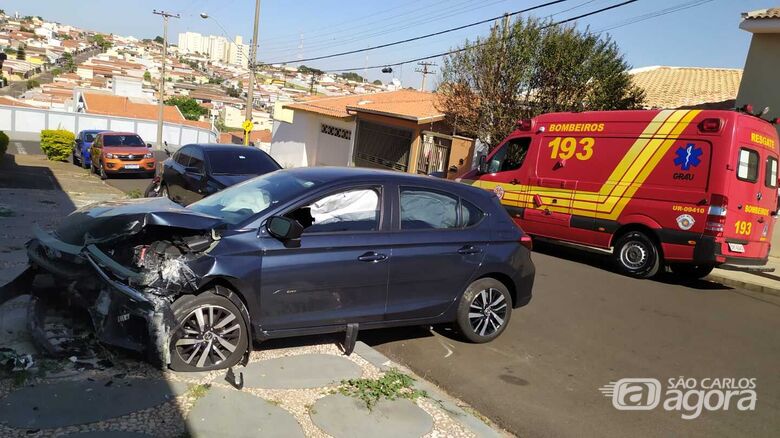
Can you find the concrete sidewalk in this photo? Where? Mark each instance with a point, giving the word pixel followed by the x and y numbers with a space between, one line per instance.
pixel 764 282
pixel 289 388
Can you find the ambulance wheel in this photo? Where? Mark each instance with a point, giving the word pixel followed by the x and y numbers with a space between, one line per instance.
pixel 692 272
pixel 637 255
pixel 210 333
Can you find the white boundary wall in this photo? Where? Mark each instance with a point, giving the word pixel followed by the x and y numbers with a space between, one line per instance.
pixel 26 121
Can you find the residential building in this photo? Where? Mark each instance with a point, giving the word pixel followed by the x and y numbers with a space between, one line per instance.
pixel 217 48
pixel 191 42
pixel 759 87
pixel 238 53
pixel 688 87
pixel 400 130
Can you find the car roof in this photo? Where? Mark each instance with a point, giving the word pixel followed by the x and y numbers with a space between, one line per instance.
pixel 117 133
pixel 346 174
pixel 223 147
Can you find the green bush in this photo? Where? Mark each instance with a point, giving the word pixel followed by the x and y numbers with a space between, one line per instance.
pixel 3 144
pixel 57 144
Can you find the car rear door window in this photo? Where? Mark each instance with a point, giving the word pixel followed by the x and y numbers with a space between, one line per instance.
pixel 241 162
pixel 345 211
pixel 183 156
pixel 770 174
pixel 427 209
pixel 747 168
pixel 196 159
pixel 470 214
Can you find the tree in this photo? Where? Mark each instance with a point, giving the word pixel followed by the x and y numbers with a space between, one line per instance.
pixel 70 65
pixel 233 92
pixel 308 70
pixel 56 71
pixel 352 76
pixel 377 82
pixel 147 76
pixel 21 54
pixel 189 107
pixel 216 80
pixel 100 41
pixel 529 68
pixel 159 40
pixel 32 83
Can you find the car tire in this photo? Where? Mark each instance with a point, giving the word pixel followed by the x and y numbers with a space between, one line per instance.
pixel 75 160
pixel 484 310
pixel 103 174
pixel 84 164
pixel 207 327
pixel 164 191
pixel 637 255
pixel 692 272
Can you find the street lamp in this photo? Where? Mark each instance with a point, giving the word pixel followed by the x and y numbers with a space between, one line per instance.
pixel 251 64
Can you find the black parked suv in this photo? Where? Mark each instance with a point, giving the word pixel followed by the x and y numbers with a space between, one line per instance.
pixel 198 170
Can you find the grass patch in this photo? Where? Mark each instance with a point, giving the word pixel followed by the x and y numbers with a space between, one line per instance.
pixel 199 391
pixel 393 385
pixel 135 194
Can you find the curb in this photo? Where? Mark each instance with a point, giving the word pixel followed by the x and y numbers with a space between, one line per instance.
pixel 754 287
pixel 453 406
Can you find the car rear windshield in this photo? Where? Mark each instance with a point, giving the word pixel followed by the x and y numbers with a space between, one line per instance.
pixel 123 140
pixel 89 137
pixel 248 162
pixel 257 195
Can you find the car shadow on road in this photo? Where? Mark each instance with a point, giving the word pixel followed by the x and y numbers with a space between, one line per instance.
pixel 604 261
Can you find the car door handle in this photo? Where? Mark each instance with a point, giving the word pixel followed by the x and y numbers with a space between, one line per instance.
pixel 469 249
pixel 372 257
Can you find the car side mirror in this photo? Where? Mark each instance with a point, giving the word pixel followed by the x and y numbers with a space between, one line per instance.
pixel 284 228
pixel 149 145
pixel 78 141
pixel 483 164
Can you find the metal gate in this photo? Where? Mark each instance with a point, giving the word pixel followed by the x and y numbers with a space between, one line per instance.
pixel 382 146
pixel 434 154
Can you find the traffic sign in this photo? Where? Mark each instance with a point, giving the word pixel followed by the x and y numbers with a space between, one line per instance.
pixel 247 125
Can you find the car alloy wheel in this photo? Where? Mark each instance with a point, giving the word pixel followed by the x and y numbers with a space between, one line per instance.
pixel 487 312
pixel 484 310
pixel 208 336
pixel 210 333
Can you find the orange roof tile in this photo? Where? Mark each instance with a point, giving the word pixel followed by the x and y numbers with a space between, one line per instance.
pixel 676 87
pixel 409 104
pixel 762 14
pixel 14 102
pixel 108 104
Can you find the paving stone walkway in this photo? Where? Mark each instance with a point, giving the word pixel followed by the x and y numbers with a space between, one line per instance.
pixel 287 392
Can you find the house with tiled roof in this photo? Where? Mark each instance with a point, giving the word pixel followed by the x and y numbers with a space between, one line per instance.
pixel 133 108
pixel 400 130
pixel 688 87
pixel 760 80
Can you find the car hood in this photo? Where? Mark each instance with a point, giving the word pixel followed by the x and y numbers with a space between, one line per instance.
pixel 131 150
pixel 229 180
pixel 118 220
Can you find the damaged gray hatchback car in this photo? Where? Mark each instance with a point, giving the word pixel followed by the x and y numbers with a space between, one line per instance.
pixel 293 252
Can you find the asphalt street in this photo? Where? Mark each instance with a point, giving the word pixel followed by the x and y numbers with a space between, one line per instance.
pixel 586 327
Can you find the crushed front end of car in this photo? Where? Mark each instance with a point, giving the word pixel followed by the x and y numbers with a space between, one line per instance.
pixel 125 263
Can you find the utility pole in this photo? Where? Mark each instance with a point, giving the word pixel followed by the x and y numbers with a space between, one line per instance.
pixel 161 104
pixel 252 63
pixel 425 72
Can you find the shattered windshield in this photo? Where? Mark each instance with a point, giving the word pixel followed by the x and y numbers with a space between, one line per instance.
pixel 252 197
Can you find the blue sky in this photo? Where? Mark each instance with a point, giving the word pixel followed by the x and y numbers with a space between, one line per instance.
pixel 706 35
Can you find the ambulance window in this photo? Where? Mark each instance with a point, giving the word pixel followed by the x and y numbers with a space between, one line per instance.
pixel 510 156
pixel 770 176
pixel 747 168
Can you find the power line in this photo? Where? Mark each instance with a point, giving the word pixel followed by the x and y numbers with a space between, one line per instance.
pixel 408 40
pixel 462 49
pixel 392 28
pixel 655 14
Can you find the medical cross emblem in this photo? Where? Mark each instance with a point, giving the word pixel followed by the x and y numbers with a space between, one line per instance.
pixel 687 156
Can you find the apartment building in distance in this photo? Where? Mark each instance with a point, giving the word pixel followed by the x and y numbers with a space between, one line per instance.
pixel 217 48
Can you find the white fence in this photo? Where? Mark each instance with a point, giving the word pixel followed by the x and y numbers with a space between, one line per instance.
pixel 17 120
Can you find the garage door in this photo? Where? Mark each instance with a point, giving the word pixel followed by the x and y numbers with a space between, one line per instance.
pixel 382 146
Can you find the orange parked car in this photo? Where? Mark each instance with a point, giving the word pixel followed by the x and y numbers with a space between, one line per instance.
pixel 121 152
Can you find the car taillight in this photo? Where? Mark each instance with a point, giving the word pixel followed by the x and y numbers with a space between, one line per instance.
pixel 526 241
pixel 716 216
